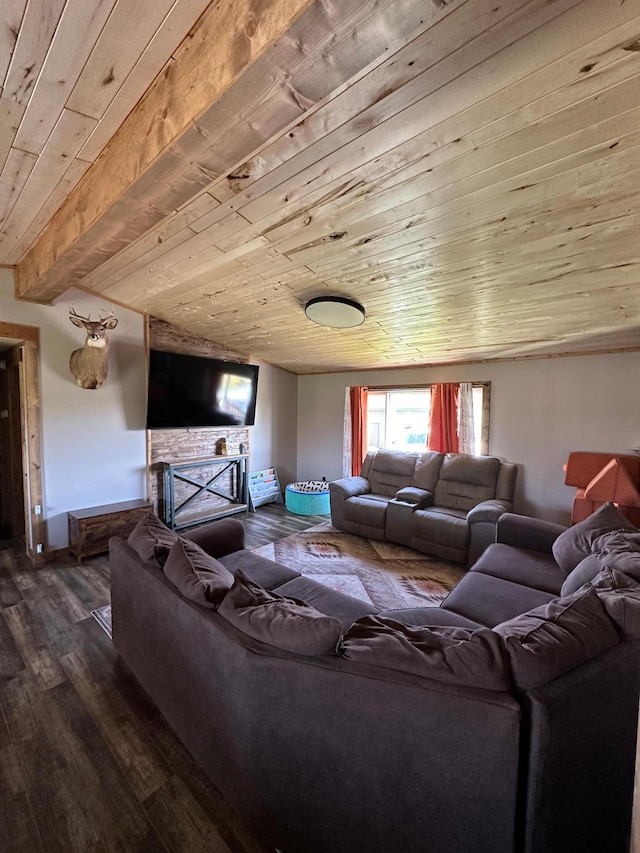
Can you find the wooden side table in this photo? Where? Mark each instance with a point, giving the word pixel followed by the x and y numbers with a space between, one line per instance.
pixel 90 529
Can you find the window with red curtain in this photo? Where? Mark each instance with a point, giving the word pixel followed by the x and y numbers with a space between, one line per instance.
pixel 358 397
pixel 443 418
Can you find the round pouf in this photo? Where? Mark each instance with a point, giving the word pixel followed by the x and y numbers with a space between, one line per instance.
pixel 310 497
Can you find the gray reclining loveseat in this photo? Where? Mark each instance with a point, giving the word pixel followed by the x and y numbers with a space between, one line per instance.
pixel 446 505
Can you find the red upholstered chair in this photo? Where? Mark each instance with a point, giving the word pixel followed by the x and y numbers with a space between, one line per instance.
pixel 602 477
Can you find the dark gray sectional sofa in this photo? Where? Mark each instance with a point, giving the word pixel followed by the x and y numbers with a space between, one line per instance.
pixel 443 504
pixel 503 721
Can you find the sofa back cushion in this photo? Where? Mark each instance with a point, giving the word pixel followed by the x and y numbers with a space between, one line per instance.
pixel 152 540
pixel 550 640
pixel 391 470
pixel 197 575
pixel 474 658
pixel 427 470
pixel 466 481
pixel 286 623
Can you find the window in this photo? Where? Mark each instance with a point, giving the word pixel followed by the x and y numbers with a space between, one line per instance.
pixel 399 418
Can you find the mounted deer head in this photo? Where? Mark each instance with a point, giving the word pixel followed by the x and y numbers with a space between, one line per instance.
pixel 89 365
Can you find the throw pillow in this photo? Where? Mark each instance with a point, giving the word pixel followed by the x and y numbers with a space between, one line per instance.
pixel 286 623
pixel 196 575
pixel 550 640
pixel 621 598
pixel 584 572
pixel 152 540
pixel 620 550
pixel 454 655
pixel 576 543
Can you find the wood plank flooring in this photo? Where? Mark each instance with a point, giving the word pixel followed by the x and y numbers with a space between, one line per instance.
pixel 272 522
pixel 86 761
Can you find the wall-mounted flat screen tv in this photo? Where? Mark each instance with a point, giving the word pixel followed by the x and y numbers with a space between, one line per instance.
pixel 194 391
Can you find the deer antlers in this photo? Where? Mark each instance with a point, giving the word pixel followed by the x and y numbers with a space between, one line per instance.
pixel 74 314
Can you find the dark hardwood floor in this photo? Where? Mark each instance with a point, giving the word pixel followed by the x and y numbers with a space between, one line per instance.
pixel 86 761
pixel 272 522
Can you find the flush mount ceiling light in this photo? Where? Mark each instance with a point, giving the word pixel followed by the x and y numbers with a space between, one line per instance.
pixel 335 312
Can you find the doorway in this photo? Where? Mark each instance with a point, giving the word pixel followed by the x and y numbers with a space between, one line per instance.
pixel 20 443
pixel 12 506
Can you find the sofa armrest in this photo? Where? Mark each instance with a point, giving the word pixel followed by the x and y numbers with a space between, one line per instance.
pixel 349 487
pixel 524 532
pixel 420 498
pixel 218 538
pixel 488 511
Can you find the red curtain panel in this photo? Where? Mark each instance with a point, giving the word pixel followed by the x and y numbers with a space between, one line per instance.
pixel 443 418
pixel 358 398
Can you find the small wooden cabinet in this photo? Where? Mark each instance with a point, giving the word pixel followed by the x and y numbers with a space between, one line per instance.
pixel 90 529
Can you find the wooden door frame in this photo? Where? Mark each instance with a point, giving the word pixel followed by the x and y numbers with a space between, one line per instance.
pixel 29 338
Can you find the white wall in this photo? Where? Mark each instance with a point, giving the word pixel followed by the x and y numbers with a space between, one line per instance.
pixel 273 438
pixel 94 447
pixel 540 410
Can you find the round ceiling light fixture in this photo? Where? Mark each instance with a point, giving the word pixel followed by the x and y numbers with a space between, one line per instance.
pixel 337 312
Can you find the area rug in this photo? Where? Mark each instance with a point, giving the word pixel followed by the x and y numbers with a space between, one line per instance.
pixel 103 617
pixel 386 575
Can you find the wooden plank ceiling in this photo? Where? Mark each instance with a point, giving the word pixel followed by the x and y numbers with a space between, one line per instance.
pixel 467 170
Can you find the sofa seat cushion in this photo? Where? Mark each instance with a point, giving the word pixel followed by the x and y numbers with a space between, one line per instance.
pixel 152 540
pixel 278 621
pixel 490 600
pixel 529 568
pixel 196 575
pixel 367 510
pixel 326 600
pixel 550 640
pixel 441 532
pixel 576 543
pixel 266 573
pixel 430 617
pixel 451 655
pixel 443 525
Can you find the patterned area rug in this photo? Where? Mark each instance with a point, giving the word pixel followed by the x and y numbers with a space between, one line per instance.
pixel 387 575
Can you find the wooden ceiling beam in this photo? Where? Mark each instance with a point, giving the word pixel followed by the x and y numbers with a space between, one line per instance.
pixel 227 40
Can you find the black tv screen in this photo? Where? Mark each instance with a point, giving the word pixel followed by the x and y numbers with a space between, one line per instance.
pixel 194 391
